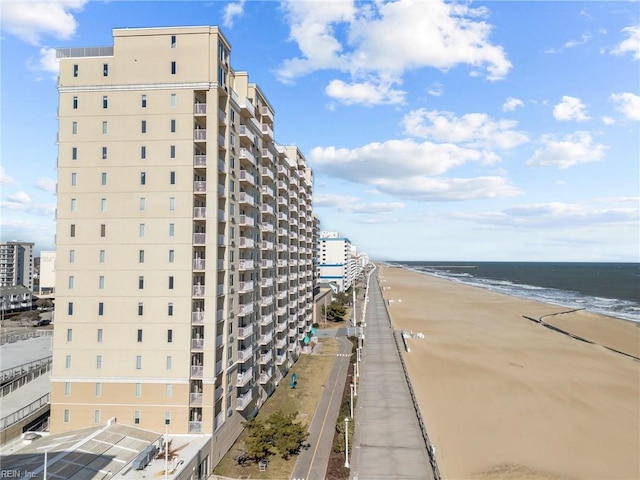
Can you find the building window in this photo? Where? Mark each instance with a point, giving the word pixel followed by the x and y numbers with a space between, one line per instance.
pixel 140 256
pixel 172 229
pixel 74 204
pixel 102 256
pixel 75 103
pixel 100 308
pixel 138 390
pixel 173 68
pixel 100 335
pixel 143 203
pixel 104 153
pixel 140 283
pixel 172 178
pixel 98 389
pixel 98 362
pixel 143 178
pixel 104 128
pixel 171 282
pixel 172 151
pixel 101 282
pixel 167 417
pixel 143 126
pixel 72 230
pixel 72 256
pixel 103 230
pixel 169 362
pixel 72 282
pixel 168 390
pixel 170 309
pixel 96 413
pixel 105 69
pixel 141 229
pixel 139 362
pixel 103 178
pixel 144 101
pixel 67 388
pixel 139 335
pixel 103 205
pixel 173 126
pixel 74 153
pixel 69 334
pixel 67 361
pixel 136 417
pixel 140 308
pixel 172 256
pixel 74 179
pixel 174 100
pixel 67 415
pixel 143 152
pixel 74 128
pixel 75 70
pixel 173 41
pixel 70 308
pixel 170 336
pixel 172 203
pixel 105 101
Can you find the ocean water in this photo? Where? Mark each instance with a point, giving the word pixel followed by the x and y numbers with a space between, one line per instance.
pixel 607 288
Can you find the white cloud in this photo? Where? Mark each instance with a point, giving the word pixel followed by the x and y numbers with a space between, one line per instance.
pixel 46 184
pixel 20 197
pixel 628 104
pixel 448 189
pixel 608 120
pixel 511 104
pixel 631 44
pixel 21 202
pixel 584 38
pixel 47 62
pixel 436 89
pixel 572 150
pixel 365 93
pixel 5 178
pixel 32 20
pixel 380 41
pixel 232 10
pixel 570 108
pixel 471 129
pixel 351 204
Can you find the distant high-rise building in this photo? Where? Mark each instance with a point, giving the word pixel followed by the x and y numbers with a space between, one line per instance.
pixel 184 273
pixel 336 260
pixel 47 272
pixel 16 264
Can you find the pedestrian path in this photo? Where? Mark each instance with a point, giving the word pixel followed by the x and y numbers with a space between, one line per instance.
pixel 387 443
pixel 312 462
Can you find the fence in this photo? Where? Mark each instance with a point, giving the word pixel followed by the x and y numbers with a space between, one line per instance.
pixel 17 337
pixel 14 378
pixel 6 422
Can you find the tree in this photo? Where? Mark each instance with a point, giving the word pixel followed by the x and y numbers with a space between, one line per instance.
pixel 335 311
pixel 258 441
pixel 287 434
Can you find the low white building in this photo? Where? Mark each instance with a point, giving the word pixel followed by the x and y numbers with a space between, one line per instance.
pixel 16 264
pixel 336 260
pixel 47 272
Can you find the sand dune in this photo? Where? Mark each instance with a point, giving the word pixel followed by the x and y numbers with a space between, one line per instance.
pixel 506 398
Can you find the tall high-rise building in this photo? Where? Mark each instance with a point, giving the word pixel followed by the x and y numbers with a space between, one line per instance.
pixel 16 264
pixel 336 260
pixel 184 273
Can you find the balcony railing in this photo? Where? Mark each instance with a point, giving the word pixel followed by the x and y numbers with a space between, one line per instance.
pixel 245 265
pixel 265 376
pixel 197 343
pixel 197 317
pixel 268 209
pixel 267 319
pixel 266 357
pixel 244 355
pixel 246 177
pixel 198 263
pixel 267 191
pixel 199 160
pixel 267 130
pixel 267 172
pixel 196 371
pixel 244 377
pixel 267 154
pixel 246 154
pixel 199 212
pixel 245 332
pixel 265 339
pixel 266 301
pixel 246 199
pixel 245 309
pixel 195 427
pixel 198 290
pixel 267 227
pixel 266 282
pixel 246 221
pixel 200 186
pixel 281 359
pixel 199 238
pixel 218 393
pixel 243 401
pixel 222 116
pixel 245 287
pixel 246 242
pixel 200 109
pixel 267 263
pixel 200 134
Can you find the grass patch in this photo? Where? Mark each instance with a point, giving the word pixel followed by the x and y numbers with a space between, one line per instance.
pixel 312 372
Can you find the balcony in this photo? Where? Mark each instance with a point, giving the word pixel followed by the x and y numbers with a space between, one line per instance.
pixel 282 295
pixel 218 367
pixel 221 141
pixel 282 201
pixel 247 177
pixel 196 371
pixel 200 109
pixel 198 263
pixel 281 359
pixel 265 376
pixel 199 238
pixel 218 393
pixel 266 172
pixel 266 320
pixel 282 263
pixel 265 357
pixel 245 355
pixel 282 185
pixel 221 165
pixel 267 131
pixel 198 290
pixel 267 154
pixel 197 318
pixel 200 186
pixel 266 245
pixel 292 347
pixel 282 278
pixel 267 209
pixel 199 212
pixel 245 287
pixel 222 116
pixel 246 221
pixel 245 332
pixel 267 263
pixel 220 240
pixel 195 427
pixel 244 377
pixel 267 227
pixel 245 309
pixel 219 341
pixel 197 343
pixel 221 191
pixel 199 160
pixel 247 242
pixel 247 155
pixel 282 216
pixel 222 217
pixel 200 134
pixel 245 265
pixel 281 342
pixel 246 107
pixel 266 301
pixel 265 339
pixel 243 401
pixel 266 114
pixel 246 199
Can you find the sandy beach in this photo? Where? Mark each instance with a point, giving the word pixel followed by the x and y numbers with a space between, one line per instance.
pixel 504 397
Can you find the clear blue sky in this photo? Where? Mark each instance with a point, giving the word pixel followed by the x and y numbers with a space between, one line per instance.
pixel 437 131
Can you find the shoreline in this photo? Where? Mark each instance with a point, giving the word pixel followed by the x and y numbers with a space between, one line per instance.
pixel 504 397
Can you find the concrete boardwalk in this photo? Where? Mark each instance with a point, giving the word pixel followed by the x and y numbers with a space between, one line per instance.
pixel 312 463
pixel 388 443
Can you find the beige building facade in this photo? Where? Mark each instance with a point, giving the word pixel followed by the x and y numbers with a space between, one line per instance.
pixel 184 269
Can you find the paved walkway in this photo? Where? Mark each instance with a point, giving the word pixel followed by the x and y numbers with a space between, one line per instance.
pixel 387 443
pixel 312 463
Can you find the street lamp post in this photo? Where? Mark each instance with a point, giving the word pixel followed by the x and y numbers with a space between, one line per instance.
pixel 355 383
pixel 346 442
pixel 351 400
